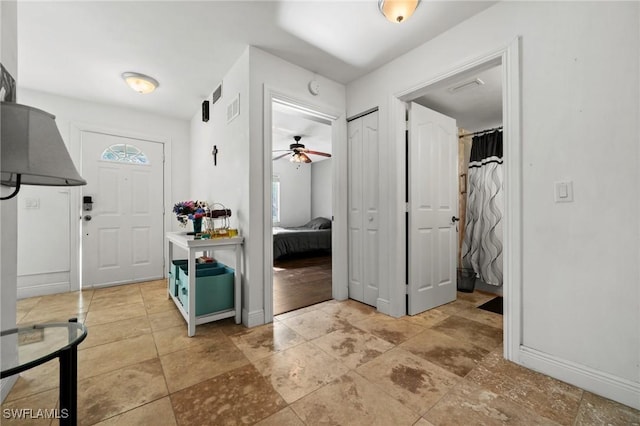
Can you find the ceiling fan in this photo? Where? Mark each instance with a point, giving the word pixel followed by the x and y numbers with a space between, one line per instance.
pixel 299 152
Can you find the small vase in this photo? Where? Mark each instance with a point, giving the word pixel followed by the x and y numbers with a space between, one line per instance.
pixel 197 225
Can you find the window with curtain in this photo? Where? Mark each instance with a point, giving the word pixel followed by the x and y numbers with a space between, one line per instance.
pixel 275 199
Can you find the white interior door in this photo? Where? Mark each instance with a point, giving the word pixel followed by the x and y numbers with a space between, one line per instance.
pixel 433 189
pixel 362 138
pixel 122 236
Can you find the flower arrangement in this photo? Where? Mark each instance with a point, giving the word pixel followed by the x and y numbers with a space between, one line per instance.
pixel 189 210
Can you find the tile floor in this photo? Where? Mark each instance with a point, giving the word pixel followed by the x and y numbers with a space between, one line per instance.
pixel 338 363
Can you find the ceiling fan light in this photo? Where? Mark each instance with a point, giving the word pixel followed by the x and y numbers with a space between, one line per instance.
pixel 397 11
pixel 140 83
pixel 300 157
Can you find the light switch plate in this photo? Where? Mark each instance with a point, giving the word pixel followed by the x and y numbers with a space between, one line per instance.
pixel 32 203
pixel 563 192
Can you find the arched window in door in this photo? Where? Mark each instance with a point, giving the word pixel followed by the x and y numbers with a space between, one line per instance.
pixel 125 153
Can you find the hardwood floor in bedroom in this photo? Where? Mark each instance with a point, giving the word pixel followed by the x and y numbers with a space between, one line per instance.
pixel 301 281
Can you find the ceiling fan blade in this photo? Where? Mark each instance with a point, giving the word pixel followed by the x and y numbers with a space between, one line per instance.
pixel 281 150
pixel 280 156
pixel 324 154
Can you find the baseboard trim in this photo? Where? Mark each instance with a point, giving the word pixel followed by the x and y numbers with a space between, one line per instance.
pixel 42 290
pixel 488 288
pixel 607 385
pixel 6 385
pixel 253 319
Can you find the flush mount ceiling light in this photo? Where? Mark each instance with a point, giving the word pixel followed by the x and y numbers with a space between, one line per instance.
pixel 397 11
pixel 139 82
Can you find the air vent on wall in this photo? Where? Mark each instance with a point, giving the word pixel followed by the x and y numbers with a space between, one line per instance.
pixel 466 85
pixel 216 94
pixel 233 109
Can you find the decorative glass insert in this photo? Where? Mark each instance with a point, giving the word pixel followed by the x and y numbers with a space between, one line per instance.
pixel 125 153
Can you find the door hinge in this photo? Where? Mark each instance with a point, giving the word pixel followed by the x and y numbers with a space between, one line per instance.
pixel 406 125
pixel 406 289
pixel 407 207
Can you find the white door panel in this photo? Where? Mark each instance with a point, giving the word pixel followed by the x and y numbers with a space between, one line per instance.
pixel 371 269
pixel 364 208
pixel 123 240
pixel 354 138
pixel 433 202
pixel 371 204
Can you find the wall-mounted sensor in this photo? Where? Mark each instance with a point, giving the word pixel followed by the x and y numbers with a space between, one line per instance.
pixel 205 111
pixel 314 87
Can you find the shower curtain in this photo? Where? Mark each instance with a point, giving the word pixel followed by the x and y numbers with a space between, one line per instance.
pixel 482 244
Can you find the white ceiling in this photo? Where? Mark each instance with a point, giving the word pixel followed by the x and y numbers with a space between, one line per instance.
pixel 80 49
pixel 475 107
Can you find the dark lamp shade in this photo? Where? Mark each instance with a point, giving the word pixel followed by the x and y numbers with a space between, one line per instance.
pixel 33 148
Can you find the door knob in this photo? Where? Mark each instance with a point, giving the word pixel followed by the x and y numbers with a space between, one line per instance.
pixel 87 217
pixel 455 219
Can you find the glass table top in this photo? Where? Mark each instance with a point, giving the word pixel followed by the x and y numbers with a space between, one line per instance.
pixel 26 347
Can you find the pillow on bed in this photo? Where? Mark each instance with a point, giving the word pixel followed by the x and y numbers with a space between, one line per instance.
pixel 318 223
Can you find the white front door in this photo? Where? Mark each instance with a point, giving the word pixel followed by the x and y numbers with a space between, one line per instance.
pixel 122 236
pixel 433 200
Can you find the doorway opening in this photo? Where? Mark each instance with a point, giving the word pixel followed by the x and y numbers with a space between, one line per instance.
pixel 475 102
pixel 507 60
pixel 335 213
pixel 301 208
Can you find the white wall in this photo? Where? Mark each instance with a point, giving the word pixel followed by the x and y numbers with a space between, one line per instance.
pixel 295 192
pixel 47 265
pixel 238 180
pixel 580 106
pixel 321 189
pixel 8 208
pixel 228 182
pixel 284 77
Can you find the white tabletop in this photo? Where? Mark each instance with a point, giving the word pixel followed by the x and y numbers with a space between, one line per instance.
pixel 188 241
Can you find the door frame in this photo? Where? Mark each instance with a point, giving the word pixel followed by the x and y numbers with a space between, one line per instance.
pixel 508 57
pixel 339 277
pixel 75 217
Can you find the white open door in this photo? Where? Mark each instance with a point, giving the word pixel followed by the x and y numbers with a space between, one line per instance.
pixel 123 234
pixel 433 191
